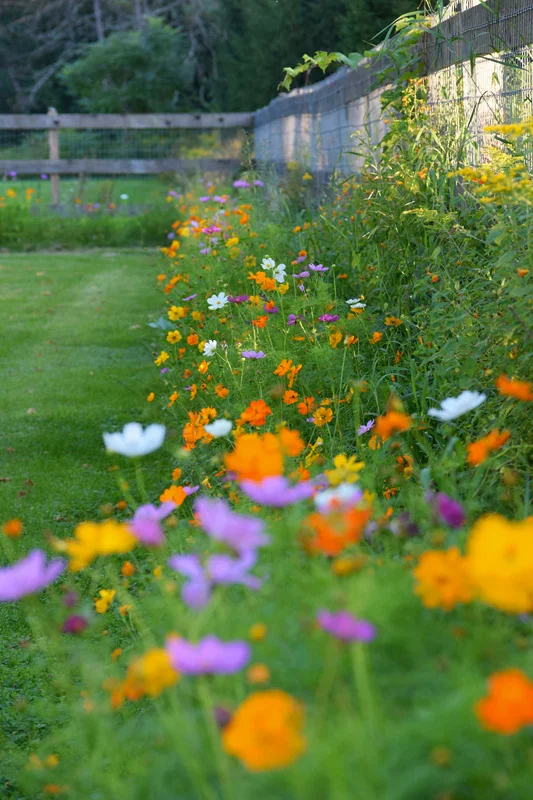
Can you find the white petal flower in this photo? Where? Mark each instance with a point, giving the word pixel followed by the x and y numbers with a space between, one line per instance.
pixel 124 196
pixel 356 303
pixel 134 441
pixel 268 263
pixel 454 407
pixel 217 301
pixel 280 273
pixel 220 427
pixel 210 347
pixel 345 495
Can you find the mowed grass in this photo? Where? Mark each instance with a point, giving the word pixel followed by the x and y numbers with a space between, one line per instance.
pixel 75 360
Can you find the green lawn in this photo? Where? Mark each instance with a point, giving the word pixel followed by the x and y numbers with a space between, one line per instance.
pixel 75 360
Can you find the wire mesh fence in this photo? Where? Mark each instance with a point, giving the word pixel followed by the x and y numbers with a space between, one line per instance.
pixel 478 61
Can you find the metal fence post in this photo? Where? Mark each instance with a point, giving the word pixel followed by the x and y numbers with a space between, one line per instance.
pixel 53 155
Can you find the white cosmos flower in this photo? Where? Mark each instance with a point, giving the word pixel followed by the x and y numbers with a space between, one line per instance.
pixel 220 427
pixel 454 407
pixel 210 347
pixel 344 495
pixel 124 196
pixel 134 441
pixel 280 273
pixel 268 263
pixel 356 303
pixel 217 301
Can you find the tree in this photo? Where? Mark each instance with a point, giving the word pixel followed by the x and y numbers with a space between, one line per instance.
pixel 139 71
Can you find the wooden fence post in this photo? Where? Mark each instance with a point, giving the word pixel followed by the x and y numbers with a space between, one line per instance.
pixel 53 155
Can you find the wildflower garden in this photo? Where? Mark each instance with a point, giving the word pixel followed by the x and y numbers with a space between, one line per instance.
pixel 267 526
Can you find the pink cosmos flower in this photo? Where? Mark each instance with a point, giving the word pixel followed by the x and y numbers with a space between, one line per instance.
pixel 303 274
pixel 240 298
pixel 276 491
pixel 345 626
pixel 365 428
pixel 329 318
pixel 221 569
pixel 146 523
pixel 209 656
pixel 29 575
pixel 253 354
pixel 240 533
pixel 318 268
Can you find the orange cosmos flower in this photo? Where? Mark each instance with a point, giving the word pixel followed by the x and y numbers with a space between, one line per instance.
pixel 443 579
pixel 291 375
pixel 266 731
pixel 221 391
pixel 332 533
pixel 509 704
pixel 255 457
pixel 291 443
pixel 283 367
pixel 175 493
pixel 192 339
pixel 376 337
pixel 203 367
pixel 522 272
pixel 510 387
pixel 479 451
pixel 393 321
pixel 306 406
pixel 260 322
pixel 290 397
pixel 12 528
pixel 256 414
pixel 390 423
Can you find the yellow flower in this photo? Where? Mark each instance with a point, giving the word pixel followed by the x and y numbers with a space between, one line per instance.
pixel 307 177
pixel 93 539
pixel 322 415
pixel 233 241
pixel 443 579
pixel 161 358
pixel 346 470
pixel 177 312
pixel 335 338
pixel 151 397
pixel 103 602
pixel 173 337
pixel 500 561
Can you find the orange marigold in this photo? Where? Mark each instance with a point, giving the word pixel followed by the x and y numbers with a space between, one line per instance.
pixel 479 451
pixel 266 731
pixel 509 387
pixel 509 703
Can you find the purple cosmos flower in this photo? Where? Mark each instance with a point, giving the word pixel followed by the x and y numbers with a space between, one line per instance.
pixel 209 656
pixel 345 626
pixel 29 575
pixel 403 525
pixel 299 259
pixel 211 229
pixel 171 235
pixel 190 297
pixel 12 174
pixel 329 318
pixel 253 354
pixel 163 371
pixel 301 287
pixel 96 205
pixel 292 319
pixel 276 491
pixel 273 310
pixel 205 198
pixel 258 183
pixel 172 193
pixel 191 489
pixel 74 624
pixel 205 250
pixel 44 177
pixel 365 428
pixel 448 510
pixel 146 523
pixel 70 599
pixel 303 274
pixel 218 569
pixel 241 184
pixel 240 533
pixel 240 298
pixel 318 268
pixel 220 198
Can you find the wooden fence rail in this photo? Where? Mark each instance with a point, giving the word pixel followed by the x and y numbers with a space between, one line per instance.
pixel 55 166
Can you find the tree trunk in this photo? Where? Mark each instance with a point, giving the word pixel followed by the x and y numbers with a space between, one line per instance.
pixel 98 21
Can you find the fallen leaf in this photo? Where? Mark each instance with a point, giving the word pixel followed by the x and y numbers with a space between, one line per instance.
pixel 31 411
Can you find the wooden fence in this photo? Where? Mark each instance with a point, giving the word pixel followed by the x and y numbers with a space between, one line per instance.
pixel 54 165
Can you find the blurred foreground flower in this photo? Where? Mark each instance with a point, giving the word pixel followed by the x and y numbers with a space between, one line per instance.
pixel 266 731
pixel 29 575
pixel 276 491
pixel 509 704
pixel 220 427
pixel 443 579
pixel 218 569
pixel 146 523
pixel 454 407
pixel 345 626
pixel 209 656
pixel 134 441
